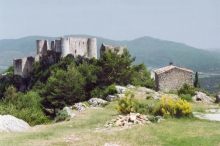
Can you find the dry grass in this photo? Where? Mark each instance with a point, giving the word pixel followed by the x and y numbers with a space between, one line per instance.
pixel 88 129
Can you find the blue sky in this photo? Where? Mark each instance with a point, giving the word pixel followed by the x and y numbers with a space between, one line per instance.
pixel 193 22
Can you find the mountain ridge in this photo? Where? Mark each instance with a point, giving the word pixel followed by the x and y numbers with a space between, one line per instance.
pixel 152 52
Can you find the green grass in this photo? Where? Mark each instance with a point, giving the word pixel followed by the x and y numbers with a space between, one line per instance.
pixel 88 129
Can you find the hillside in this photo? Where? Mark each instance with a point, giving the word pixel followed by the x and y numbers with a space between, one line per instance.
pixel 153 52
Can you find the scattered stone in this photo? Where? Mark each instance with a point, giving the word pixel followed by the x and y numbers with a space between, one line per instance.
pixel 217 97
pixel 145 89
pixel 69 112
pixel 128 120
pixel 156 95
pixel 96 102
pixel 10 123
pixel 199 96
pixel 80 106
pixel 120 89
pixel 173 96
pixel 130 86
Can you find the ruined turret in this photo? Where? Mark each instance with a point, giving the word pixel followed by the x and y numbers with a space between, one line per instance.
pixel 92 48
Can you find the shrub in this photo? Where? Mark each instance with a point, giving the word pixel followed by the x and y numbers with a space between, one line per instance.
pixel 110 90
pixel 169 106
pixel 62 116
pixel 186 89
pixel 23 106
pixel 186 97
pixel 148 97
pixel 130 104
pixel 126 104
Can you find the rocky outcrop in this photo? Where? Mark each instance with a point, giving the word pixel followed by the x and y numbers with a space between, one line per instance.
pixel 10 123
pixel 69 112
pixel 121 89
pixel 114 97
pixel 111 97
pixel 202 97
pixel 80 106
pixel 96 102
pixel 128 120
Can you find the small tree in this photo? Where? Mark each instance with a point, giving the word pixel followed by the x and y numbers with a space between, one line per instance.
pixel 196 82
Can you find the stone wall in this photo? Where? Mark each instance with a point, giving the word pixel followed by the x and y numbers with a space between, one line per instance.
pixel 105 47
pixel 76 46
pixel 79 46
pixel 173 79
pixel 64 46
pixel 23 66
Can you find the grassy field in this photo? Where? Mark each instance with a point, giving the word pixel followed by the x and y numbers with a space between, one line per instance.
pixel 88 129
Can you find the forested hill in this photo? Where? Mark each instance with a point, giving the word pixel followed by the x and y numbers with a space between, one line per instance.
pixel 153 52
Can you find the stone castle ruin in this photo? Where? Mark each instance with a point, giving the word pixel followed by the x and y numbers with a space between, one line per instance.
pixel 70 45
pixel 105 47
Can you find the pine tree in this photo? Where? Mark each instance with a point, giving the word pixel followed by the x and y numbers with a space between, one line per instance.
pixel 196 82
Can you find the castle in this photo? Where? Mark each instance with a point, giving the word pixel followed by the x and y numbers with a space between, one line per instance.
pixel 70 45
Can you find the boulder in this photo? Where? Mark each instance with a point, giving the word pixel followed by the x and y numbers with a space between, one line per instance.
pixel 96 102
pixel 80 106
pixel 120 89
pixel 217 97
pixel 69 112
pixel 199 96
pixel 10 123
pixel 111 97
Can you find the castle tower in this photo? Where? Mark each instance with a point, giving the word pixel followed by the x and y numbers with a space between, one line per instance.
pixel 92 47
pixel 42 46
pixel 64 46
pixel 53 45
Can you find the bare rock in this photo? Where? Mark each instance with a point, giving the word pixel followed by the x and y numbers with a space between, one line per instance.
pixel 96 102
pixel 80 106
pixel 69 112
pixel 130 86
pixel 10 123
pixel 111 97
pixel 120 89
pixel 199 96
pixel 156 95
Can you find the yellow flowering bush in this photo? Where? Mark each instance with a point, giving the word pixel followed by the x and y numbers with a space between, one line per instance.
pixel 169 106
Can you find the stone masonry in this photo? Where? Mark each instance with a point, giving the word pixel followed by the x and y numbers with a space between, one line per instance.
pixel 105 47
pixel 172 78
pixel 71 45
pixel 23 66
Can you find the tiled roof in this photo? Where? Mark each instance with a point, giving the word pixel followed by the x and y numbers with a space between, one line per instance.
pixel 170 67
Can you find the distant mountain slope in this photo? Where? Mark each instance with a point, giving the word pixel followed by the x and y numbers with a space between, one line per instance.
pixel 153 52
